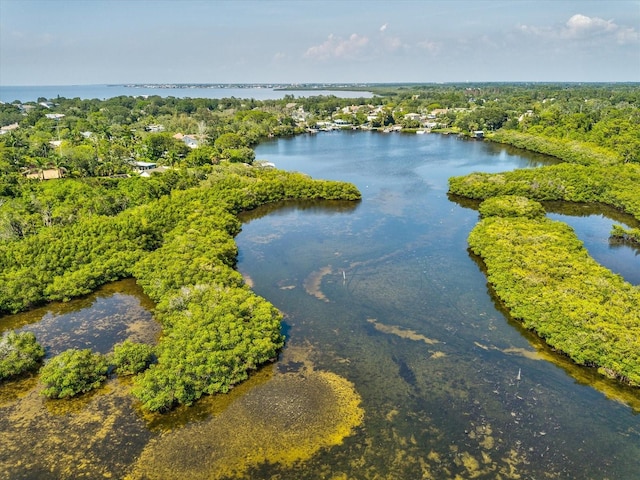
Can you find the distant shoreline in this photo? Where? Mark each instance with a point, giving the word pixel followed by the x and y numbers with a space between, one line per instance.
pixel 32 93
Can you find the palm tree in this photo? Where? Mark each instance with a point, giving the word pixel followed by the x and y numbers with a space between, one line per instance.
pixel 202 133
pixel 39 164
pixel 59 163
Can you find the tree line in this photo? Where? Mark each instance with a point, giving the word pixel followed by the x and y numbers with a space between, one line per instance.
pixel 92 138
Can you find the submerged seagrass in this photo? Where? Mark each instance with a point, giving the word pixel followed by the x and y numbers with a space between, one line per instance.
pixel 286 419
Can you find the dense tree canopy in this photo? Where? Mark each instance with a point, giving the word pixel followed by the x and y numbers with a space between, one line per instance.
pixel 73 372
pixel 179 245
pixel 19 352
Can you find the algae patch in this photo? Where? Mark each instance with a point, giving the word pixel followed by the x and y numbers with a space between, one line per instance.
pixel 312 284
pixel 93 436
pixel 285 420
pixel 521 352
pixel 401 332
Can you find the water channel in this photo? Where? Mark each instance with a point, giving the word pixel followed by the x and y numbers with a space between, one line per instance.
pixel 384 294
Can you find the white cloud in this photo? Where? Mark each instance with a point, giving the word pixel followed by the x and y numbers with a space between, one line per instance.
pixel 393 43
pixel 338 47
pixel 627 35
pixel 581 27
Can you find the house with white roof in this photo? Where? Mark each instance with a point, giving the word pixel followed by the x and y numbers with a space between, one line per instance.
pixel 189 140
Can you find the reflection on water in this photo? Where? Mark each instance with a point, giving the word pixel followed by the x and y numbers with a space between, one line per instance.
pixel 390 324
pixel 389 298
pixel 114 313
pixel 593 225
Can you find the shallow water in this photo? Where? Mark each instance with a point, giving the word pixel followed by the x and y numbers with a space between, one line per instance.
pixel 389 297
pixel 91 436
pixel 382 297
pixel 114 313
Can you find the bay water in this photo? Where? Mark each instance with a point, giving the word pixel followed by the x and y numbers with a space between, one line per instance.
pixel 382 293
pixel 386 294
pixel 32 93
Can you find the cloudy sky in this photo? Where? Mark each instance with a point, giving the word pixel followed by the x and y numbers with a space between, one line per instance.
pixel 61 42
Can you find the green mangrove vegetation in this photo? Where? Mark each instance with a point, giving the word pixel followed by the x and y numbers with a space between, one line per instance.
pixel 631 235
pixel 568 150
pixel 19 353
pixel 130 358
pixel 538 268
pixel 173 231
pixel 511 206
pixel 73 372
pixel 181 249
pixel 81 206
pixel 614 185
pixel 545 277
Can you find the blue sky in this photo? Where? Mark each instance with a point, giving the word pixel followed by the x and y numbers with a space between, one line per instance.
pixel 57 42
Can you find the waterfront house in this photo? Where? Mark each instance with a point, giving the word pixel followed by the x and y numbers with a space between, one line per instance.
pixel 413 116
pixel 46 174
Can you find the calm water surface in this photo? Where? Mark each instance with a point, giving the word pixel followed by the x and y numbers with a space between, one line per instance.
pixel 112 314
pixel 9 94
pixel 383 293
pixel 593 226
pixel 471 393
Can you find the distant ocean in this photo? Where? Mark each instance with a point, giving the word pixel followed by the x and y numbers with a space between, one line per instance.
pixel 9 94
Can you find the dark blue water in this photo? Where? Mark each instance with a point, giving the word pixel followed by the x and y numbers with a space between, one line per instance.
pixel 385 294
